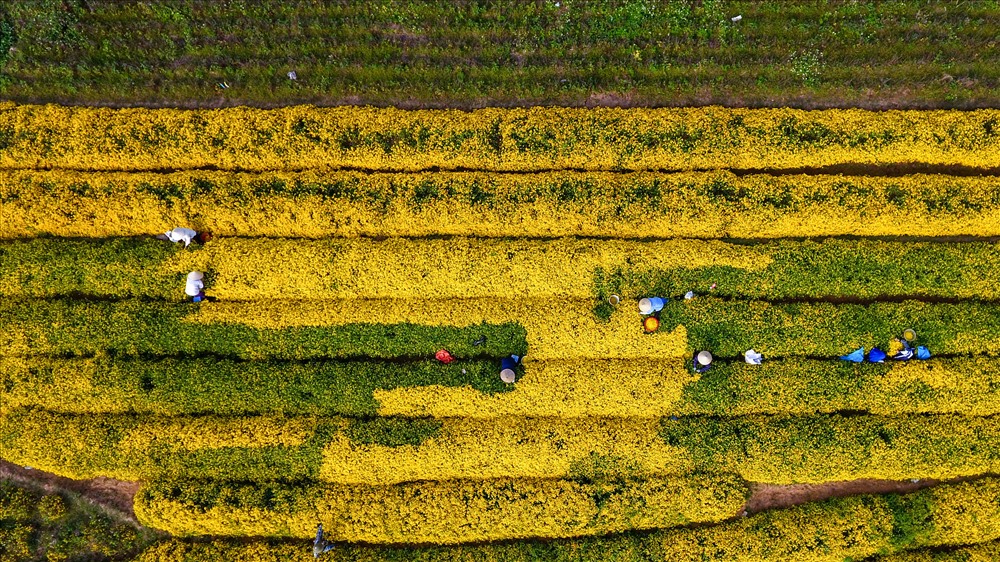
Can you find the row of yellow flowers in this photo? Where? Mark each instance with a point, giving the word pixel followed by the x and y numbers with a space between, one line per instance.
pixel 649 388
pixel 642 388
pixel 614 387
pixel 503 268
pixel 772 449
pixel 565 203
pixel 446 512
pixel 489 139
pixel 881 528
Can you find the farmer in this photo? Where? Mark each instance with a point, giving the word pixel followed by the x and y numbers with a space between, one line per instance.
pixel 321 545
pixel 186 235
pixel 904 354
pixel 179 234
pixel 508 366
pixel 701 361
pixel 193 287
pixel 876 355
pixel 856 356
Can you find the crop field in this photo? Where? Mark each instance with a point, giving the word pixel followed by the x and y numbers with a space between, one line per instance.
pixel 428 232
pixel 351 245
pixel 427 53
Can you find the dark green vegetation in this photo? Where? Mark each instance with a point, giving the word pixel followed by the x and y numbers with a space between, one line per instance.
pixel 827 330
pixel 833 268
pixel 211 385
pixel 832 448
pixel 914 53
pixel 134 447
pixel 136 328
pixel 963 385
pixel 39 526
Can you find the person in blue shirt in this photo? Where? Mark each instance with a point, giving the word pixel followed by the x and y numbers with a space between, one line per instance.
pixel 701 362
pixel 321 545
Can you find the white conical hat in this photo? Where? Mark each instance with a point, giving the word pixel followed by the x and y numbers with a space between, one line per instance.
pixel 507 375
pixel 195 276
pixel 704 358
pixel 645 306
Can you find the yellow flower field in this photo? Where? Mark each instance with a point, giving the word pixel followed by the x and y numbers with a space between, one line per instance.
pixel 422 329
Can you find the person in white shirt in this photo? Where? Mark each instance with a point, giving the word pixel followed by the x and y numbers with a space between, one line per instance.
pixel 180 234
pixel 194 286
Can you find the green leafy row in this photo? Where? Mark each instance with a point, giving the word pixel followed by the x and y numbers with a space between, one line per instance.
pixel 129 447
pixel 967 386
pixel 863 269
pixel 828 448
pixel 172 386
pixel 70 327
pixel 729 327
pixel 208 385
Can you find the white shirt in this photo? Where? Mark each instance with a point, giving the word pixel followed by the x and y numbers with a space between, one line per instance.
pixel 193 287
pixel 181 234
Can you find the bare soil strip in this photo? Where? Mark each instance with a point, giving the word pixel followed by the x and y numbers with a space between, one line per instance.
pixel 114 496
pixel 773 496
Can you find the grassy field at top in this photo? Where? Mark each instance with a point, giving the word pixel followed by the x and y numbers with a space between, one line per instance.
pixel 421 53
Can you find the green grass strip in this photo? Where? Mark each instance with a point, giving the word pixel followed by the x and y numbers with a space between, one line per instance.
pixel 223 386
pixel 839 529
pixel 728 328
pixel 71 327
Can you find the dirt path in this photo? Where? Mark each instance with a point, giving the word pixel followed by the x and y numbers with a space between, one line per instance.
pixel 772 496
pixel 115 496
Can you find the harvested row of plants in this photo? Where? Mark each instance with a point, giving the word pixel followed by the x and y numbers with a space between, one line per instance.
pixel 214 385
